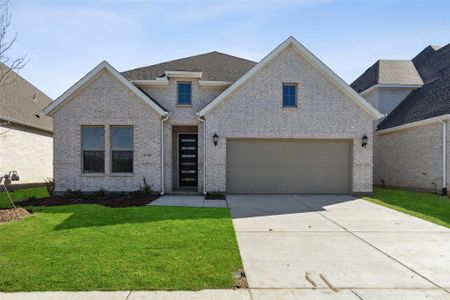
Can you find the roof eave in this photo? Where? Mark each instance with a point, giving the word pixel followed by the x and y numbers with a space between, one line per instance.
pixel 424 122
pixel 387 86
pixel 27 124
pixel 61 100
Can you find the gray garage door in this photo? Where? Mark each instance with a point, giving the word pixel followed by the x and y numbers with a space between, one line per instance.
pixel 288 166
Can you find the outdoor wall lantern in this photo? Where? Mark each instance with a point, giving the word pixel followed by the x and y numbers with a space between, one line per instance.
pixel 215 139
pixel 364 141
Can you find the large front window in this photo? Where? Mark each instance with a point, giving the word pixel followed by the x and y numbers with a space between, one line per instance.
pixel 93 147
pixel 184 93
pixel 122 146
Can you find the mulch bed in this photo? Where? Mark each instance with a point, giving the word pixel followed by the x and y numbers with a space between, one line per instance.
pixel 13 214
pixel 110 202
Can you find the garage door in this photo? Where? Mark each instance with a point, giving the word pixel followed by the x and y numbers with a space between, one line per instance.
pixel 288 166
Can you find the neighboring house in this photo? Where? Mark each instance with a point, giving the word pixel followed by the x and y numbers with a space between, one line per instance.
pixel 215 123
pixel 26 144
pixel 410 143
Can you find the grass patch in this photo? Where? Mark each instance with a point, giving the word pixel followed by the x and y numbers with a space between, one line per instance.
pixel 91 247
pixel 427 206
pixel 22 194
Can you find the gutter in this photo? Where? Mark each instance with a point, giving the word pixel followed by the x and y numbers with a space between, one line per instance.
pixel 163 119
pixel 13 121
pixel 414 124
pixel 444 156
pixel 203 120
pixel 390 86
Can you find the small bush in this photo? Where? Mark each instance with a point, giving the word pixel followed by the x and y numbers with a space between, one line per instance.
pixel 50 185
pixel 145 189
pixel 32 198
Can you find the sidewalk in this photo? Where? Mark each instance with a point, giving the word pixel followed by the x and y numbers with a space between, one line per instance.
pixel 243 294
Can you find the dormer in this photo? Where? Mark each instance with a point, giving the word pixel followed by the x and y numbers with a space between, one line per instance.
pixel 387 83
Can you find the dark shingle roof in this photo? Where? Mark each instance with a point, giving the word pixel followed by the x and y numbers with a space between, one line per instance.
pixel 21 102
pixel 213 65
pixel 387 72
pixel 431 100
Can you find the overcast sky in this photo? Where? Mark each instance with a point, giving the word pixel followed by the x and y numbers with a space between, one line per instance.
pixel 66 39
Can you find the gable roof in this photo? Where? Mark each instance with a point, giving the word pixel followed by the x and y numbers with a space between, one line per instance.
pixel 22 103
pixel 86 79
pixel 388 72
pixel 431 100
pixel 305 53
pixel 215 66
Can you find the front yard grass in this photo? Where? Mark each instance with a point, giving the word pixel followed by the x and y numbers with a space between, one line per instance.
pixel 22 194
pixel 92 247
pixel 427 206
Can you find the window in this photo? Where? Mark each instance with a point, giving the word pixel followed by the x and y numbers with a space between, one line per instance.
pixel 93 146
pixel 184 93
pixel 122 146
pixel 289 95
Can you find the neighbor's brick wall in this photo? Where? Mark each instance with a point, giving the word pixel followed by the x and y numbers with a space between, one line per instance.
pixel 105 101
pixel 255 110
pixel 27 151
pixel 410 158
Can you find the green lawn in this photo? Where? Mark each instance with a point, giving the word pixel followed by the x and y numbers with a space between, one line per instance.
pixel 22 194
pixel 427 206
pixel 92 247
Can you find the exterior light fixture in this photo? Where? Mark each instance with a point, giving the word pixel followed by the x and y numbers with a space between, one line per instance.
pixel 215 139
pixel 364 141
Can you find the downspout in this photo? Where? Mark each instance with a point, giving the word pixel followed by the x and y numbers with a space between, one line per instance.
pixel 163 119
pixel 444 156
pixel 203 120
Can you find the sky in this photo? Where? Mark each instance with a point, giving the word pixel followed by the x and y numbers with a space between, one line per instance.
pixel 66 39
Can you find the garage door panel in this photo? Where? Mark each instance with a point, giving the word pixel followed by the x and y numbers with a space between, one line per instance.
pixel 288 166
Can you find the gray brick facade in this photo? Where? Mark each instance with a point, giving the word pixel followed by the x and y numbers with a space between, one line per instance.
pixel 254 110
pixel 410 158
pixel 105 101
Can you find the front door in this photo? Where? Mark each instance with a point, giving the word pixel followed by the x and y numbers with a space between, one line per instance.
pixel 187 160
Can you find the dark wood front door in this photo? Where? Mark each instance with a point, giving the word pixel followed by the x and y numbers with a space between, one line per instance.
pixel 187 160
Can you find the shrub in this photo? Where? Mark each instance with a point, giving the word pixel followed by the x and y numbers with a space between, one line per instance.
pixel 50 185
pixel 145 189
pixel 32 198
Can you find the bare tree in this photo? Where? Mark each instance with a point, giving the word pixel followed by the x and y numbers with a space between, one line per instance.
pixel 8 63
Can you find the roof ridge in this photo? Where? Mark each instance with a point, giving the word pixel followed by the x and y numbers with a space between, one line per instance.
pixel 183 58
pixel 234 56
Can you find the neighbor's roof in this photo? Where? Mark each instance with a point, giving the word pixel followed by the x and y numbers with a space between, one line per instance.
pixel 388 72
pixel 431 100
pixel 22 103
pixel 214 66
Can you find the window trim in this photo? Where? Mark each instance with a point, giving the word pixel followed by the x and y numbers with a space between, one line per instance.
pixel 296 94
pixel 112 150
pixel 178 94
pixel 83 172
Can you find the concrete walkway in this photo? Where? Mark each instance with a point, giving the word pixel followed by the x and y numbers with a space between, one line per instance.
pixel 339 243
pixel 188 201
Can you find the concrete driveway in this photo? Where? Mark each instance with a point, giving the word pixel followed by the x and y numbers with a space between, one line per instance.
pixel 338 247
